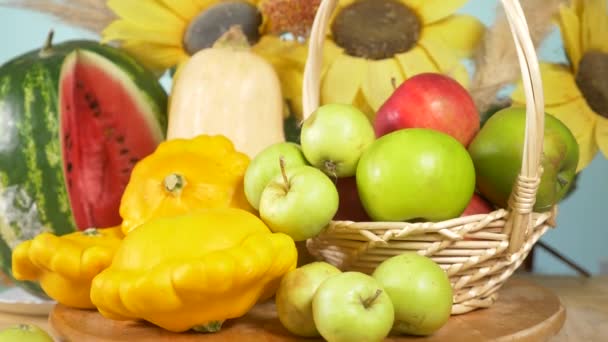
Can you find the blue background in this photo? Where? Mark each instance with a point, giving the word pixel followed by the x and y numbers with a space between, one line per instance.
pixel 582 232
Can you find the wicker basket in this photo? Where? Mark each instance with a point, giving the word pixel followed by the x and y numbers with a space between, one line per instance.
pixel 496 243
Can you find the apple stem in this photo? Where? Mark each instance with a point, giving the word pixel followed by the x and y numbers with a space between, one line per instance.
pixel 394 83
pixel 369 301
pixel 330 166
pixel 283 172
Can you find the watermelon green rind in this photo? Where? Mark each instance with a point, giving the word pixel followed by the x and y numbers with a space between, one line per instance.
pixel 33 197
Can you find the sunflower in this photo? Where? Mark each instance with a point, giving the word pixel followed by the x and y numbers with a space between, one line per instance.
pixel 371 45
pixel 162 34
pixel 577 93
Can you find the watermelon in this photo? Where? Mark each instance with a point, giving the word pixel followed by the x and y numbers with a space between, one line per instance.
pixel 74 119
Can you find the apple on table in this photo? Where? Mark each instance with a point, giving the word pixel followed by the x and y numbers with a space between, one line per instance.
pixel 352 306
pixel 295 294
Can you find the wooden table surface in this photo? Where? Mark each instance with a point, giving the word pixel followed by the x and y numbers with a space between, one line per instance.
pixel 585 300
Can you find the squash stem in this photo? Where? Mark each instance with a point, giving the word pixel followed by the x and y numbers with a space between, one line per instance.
pixel 211 327
pixel 91 232
pixel 234 38
pixel 284 173
pixel 174 184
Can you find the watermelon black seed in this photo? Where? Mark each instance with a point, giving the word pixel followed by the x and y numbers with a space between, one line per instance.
pixel 69 167
pixel 124 151
pixel 68 142
pixel 120 139
pixel 108 132
pixel 127 170
pixel 79 84
pixel 133 160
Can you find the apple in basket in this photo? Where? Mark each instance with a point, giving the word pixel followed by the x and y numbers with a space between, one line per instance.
pixel 497 154
pixel 300 201
pixel 333 138
pixel 420 291
pixel 415 173
pixel 350 207
pixel 265 166
pixel 352 306
pixel 430 100
pixel 478 205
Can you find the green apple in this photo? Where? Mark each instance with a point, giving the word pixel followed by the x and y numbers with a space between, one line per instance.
pixel 294 297
pixel 299 202
pixel 352 306
pixel 334 137
pixel 497 154
pixel 24 333
pixel 420 291
pixel 265 166
pixel 415 173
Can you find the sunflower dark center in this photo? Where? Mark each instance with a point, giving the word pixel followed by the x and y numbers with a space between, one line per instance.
pixel 592 80
pixel 206 28
pixel 376 29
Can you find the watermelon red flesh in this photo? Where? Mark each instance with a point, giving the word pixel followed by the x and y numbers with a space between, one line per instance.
pixel 106 129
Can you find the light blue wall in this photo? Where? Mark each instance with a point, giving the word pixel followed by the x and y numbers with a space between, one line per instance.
pixel 582 232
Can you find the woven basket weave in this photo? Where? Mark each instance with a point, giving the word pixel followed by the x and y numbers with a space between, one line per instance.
pixel 479 252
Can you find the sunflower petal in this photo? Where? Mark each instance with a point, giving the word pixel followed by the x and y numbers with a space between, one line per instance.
pixel 445 59
pixel 154 56
pixel 378 84
pixel 580 119
pixel 272 47
pixel 146 14
pixel 462 33
pixel 203 4
pixel 124 30
pixel 570 31
pixel 431 11
pixel 558 85
pixel 601 134
pixel 595 24
pixel 186 9
pixel 415 62
pixel 343 80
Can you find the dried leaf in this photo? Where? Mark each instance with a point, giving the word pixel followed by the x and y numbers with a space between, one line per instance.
pixel 496 60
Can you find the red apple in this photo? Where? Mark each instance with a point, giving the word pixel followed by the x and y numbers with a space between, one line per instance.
pixel 477 205
pixel 350 207
pixel 430 100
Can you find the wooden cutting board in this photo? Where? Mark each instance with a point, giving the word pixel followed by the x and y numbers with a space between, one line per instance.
pixel 524 312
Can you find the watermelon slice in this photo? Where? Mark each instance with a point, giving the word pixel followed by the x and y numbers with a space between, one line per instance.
pixel 108 123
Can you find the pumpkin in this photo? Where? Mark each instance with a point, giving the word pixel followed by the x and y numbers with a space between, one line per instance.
pixel 231 91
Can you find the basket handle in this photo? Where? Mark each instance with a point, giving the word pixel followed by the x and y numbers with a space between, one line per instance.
pixel 524 191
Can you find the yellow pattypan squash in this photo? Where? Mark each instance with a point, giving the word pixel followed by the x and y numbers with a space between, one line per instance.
pixel 194 271
pixel 65 265
pixel 183 175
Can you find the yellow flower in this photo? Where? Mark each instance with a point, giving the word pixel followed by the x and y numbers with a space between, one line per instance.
pixel 372 42
pixel 577 93
pixel 162 34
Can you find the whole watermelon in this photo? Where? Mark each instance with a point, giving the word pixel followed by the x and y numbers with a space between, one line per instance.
pixel 65 154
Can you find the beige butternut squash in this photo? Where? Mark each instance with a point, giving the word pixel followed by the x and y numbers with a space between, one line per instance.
pixel 229 90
